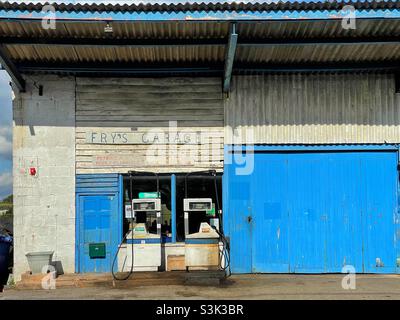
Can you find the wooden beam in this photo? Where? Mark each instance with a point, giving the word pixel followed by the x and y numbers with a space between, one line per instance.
pixel 11 69
pixel 230 57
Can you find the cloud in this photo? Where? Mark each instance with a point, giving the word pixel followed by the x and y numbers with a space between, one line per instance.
pixel 5 184
pixel 5 142
pixel 5 119
pixel 5 136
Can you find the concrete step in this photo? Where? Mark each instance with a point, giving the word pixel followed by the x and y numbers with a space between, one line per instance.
pixel 137 279
pixel 209 277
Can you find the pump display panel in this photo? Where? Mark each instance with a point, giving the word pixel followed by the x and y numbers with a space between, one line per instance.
pixel 146 205
pixel 202 204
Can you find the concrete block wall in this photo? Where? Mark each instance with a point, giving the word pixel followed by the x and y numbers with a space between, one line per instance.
pixel 44 138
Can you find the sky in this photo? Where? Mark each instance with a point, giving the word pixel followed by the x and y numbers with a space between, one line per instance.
pixel 5 136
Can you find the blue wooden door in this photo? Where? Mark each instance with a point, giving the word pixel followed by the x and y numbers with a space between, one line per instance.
pixel 98 224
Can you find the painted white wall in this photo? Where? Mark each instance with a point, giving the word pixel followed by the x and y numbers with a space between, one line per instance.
pixel 44 138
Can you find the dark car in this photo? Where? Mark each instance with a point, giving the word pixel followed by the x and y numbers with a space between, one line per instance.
pixel 6 259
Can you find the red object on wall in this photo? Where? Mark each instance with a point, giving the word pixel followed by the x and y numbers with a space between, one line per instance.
pixel 32 171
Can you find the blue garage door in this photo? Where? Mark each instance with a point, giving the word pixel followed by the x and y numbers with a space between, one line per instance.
pixel 314 211
pixel 98 220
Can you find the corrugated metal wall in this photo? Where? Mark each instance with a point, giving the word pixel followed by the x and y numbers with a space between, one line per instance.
pixel 320 108
pixel 148 105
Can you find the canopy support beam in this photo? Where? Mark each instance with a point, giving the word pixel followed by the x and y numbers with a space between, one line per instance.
pixel 11 69
pixel 230 57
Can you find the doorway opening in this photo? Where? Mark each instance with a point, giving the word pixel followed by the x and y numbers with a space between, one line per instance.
pixel 199 186
pixel 147 184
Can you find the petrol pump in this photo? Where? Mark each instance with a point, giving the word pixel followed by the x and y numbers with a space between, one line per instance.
pixel 142 242
pixel 202 248
pixel 143 239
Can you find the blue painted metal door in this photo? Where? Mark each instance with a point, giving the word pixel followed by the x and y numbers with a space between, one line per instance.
pixel 269 220
pixel 380 218
pixel 314 212
pixel 238 203
pixel 98 224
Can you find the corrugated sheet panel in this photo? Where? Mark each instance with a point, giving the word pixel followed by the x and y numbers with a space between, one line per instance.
pixel 146 106
pixel 194 5
pixel 317 29
pixel 74 54
pixel 334 108
pixel 205 29
pixel 318 54
pixel 204 54
pixel 22 53
pixel 121 30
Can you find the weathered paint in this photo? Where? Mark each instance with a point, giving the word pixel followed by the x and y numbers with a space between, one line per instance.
pixel 149 107
pixel 201 256
pixel 200 15
pixel 307 210
pixel 44 204
pixel 98 219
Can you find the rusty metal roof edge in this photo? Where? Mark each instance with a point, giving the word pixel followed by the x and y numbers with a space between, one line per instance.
pixel 178 6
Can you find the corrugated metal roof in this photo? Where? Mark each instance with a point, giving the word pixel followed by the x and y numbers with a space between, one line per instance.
pixel 318 54
pixel 282 31
pixel 78 52
pixel 75 54
pixel 317 29
pixel 121 30
pixel 203 6
pixel 205 54
pixel 204 29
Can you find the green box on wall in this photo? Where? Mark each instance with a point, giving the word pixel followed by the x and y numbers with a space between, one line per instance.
pixel 97 250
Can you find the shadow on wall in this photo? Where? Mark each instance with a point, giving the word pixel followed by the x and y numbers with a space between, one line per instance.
pixel 140 102
pixel 259 100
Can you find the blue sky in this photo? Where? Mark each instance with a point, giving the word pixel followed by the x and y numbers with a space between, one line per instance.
pixel 5 136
